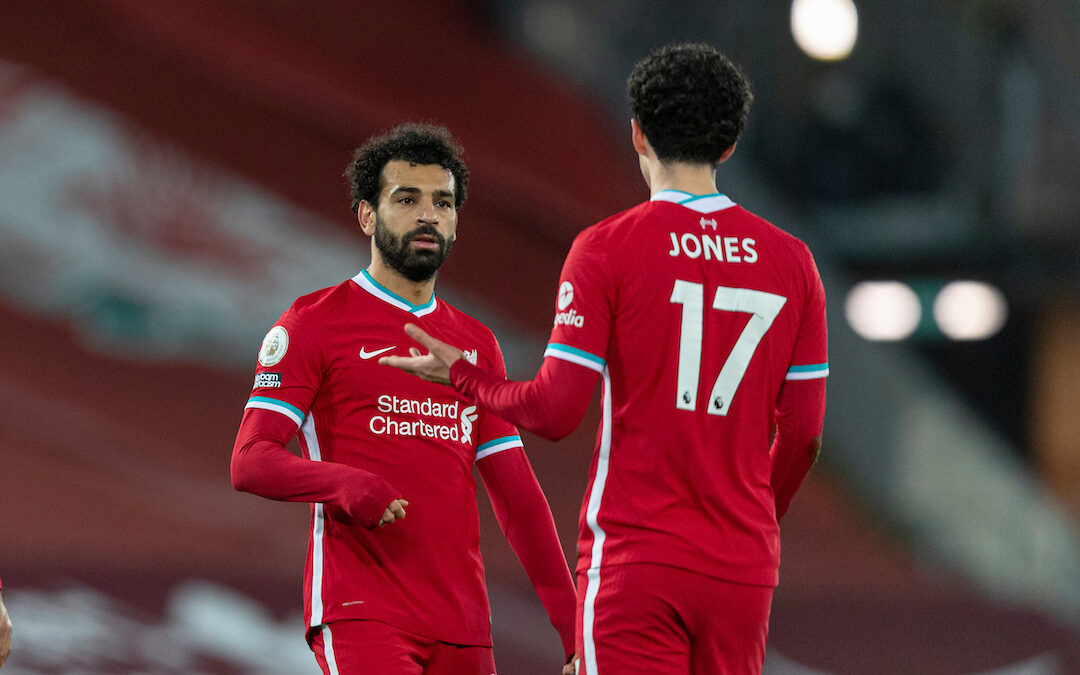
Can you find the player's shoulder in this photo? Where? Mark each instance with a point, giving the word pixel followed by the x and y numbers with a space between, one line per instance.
pixel 774 233
pixel 613 227
pixel 466 321
pixel 478 340
pixel 312 307
pixel 616 221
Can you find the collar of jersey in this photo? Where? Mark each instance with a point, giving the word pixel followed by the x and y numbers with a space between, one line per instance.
pixel 699 203
pixel 364 281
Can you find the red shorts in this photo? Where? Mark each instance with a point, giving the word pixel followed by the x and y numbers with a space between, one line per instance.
pixel 647 618
pixel 362 647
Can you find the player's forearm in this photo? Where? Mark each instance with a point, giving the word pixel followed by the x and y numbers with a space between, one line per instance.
pixel 788 476
pixel 536 544
pixel 551 405
pixel 266 468
pixel 525 517
pixel 800 415
pixel 262 465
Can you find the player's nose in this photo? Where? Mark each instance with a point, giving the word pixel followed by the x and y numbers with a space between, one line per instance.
pixel 428 214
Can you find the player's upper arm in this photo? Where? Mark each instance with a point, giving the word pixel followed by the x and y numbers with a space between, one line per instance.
pixel 584 305
pixel 289 368
pixel 810 353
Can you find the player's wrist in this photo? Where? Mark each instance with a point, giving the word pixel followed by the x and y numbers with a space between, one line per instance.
pixel 459 370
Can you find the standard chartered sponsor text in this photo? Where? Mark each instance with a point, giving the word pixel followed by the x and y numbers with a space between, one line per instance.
pixel 390 425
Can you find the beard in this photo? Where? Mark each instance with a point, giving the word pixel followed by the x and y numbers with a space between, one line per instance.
pixel 414 265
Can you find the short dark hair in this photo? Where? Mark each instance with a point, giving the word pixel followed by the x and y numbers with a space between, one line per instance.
pixel 410 142
pixel 691 102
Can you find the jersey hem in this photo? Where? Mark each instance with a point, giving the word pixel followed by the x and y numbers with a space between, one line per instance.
pixel 403 624
pixel 768 579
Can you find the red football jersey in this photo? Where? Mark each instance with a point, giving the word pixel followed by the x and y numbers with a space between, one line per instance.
pixel 694 311
pixel 319 367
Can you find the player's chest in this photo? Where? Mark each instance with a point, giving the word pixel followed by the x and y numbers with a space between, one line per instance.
pixel 356 344
pixel 382 402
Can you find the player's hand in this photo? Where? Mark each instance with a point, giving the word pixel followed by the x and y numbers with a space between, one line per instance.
pixel 571 666
pixel 433 366
pixel 5 633
pixel 396 511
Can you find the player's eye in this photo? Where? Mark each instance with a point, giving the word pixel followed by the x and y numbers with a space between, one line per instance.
pixel 406 200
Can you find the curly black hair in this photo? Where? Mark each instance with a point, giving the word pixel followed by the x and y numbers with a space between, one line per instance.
pixel 410 142
pixel 691 102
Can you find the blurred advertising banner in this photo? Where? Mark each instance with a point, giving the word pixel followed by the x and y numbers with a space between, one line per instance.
pixel 147 248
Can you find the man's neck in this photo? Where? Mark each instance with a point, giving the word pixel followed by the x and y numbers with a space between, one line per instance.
pixel 414 292
pixel 697 179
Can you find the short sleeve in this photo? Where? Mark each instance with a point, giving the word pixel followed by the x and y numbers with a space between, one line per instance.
pixel 810 357
pixel 289 369
pixel 583 307
pixel 495 433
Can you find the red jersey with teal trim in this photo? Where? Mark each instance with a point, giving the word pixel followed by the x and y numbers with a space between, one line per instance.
pixel 319 367
pixel 695 311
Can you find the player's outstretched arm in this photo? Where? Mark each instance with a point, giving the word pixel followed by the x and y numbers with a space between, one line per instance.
pixel 525 518
pixel 262 465
pixel 800 416
pixel 551 405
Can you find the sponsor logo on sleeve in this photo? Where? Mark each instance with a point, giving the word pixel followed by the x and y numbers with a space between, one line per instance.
pixel 566 295
pixel 469 355
pixel 274 346
pixel 564 317
pixel 264 380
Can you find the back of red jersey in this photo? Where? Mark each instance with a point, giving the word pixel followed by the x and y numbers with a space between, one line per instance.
pixel 695 311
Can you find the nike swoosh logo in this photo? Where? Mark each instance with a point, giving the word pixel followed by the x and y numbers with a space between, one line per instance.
pixel 365 354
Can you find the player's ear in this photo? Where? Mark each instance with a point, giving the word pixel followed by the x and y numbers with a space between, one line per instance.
pixel 727 153
pixel 365 215
pixel 637 137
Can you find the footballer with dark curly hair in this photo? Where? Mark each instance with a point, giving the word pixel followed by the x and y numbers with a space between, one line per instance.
pixel 691 103
pixel 384 593
pixel 410 142
pixel 706 324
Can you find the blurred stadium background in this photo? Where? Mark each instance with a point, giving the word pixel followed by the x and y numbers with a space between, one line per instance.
pixel 170 179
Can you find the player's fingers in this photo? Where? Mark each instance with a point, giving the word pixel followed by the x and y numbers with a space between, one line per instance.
pixel 397 508
pixel 414 351
pixel 438 348
pixel 406 363
pixel 417 333
pixel 387 517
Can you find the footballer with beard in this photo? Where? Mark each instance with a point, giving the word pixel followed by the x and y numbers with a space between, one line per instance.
pixel 394 581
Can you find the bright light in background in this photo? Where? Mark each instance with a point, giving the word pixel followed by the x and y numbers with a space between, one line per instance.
pixel 970 310
pixel 825 29
pixel 883 310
